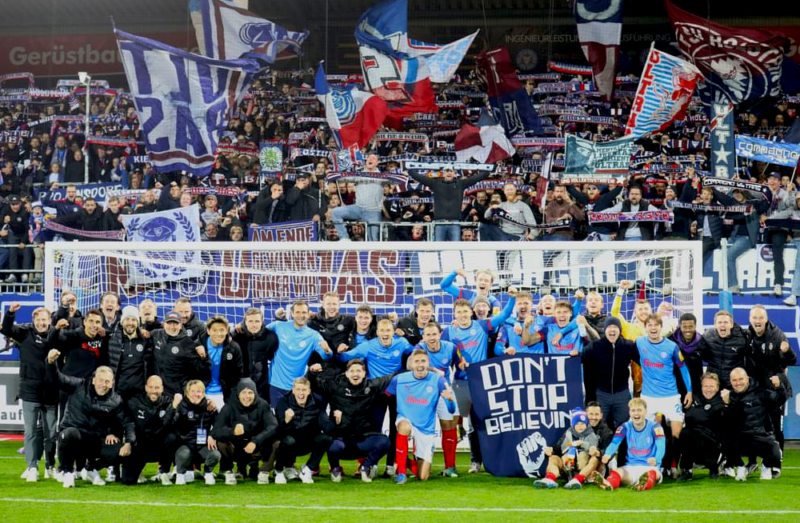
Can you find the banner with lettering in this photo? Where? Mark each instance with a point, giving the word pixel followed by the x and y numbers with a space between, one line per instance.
pixel 298 231
pixel 98 191
pixel 785 154
pixel 521 405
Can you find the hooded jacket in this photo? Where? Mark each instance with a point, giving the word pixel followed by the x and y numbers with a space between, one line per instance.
pixel 89 412
pixel 765 351
pixel 724 354
pixel 257 351
pixel 153 419
pixel 33 348
pixel 176 360
pixel 257 419
pixel 355 402
pixel 606 366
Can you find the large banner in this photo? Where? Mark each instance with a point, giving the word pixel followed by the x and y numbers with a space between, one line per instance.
pixel 98 191
pixel 722 159
pixel 584 157
pixel 298 231
pixel 175 225
pixel 521 405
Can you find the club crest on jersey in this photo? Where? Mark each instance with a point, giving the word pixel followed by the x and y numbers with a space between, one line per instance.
pixel 229 356
pixel 340 327
pixel 175 350
pixel 139 348
pixel 162 413
pixel 429 389
pixel 472 332
pixel 302 344
pixel 190 415
pixel 663 354
pixel 396 353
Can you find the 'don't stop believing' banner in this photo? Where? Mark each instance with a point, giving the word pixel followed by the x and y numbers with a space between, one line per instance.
pixel 521 405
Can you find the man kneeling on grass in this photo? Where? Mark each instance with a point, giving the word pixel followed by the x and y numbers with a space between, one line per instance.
pixel 418 395
pixel 646 447
pixel 578 446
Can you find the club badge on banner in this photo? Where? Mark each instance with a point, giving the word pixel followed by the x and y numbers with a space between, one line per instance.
pixel 521 405
pixel 271 158
pixel 176 225
pixel 723 160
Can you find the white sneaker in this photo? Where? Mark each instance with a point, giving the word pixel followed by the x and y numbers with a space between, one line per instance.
pixel 164 477
pixel 778 290
pixel 24 474
pixel 741 474
pixel 69 480
pixel 474 467
pixel 188 476
pixel 142 480
pixel 209 477
pixel 263 478
pixel 766 473
pixel 230 478
pixel 59 476
pixel 366 473
pixel 791 300
pixel 96 479
pixel 752 467
pixel 390 471
pixel 291 473
pixel 50 473
pixel 33 475
pixel 180 479
pixel 85 476
pixel 110 476
pixel 280 478
pixel 776 473
pixel 306 476
pixel 729 471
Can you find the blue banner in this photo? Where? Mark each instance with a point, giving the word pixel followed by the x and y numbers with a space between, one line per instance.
pixel 722 159
pixel 98 191
pixel 521 405
pixel 785 154
pixel 298 231
pixel 271 159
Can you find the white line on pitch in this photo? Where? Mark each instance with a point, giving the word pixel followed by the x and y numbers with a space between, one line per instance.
pixel 377 509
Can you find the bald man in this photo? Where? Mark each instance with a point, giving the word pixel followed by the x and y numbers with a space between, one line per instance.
pixel 747 409
pixel 153 413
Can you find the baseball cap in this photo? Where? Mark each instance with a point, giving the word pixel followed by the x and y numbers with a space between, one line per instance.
pixel 172 316
pixel 13 199
pixel 774 174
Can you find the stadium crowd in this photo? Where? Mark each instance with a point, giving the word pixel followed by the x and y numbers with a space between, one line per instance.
pixel 41 154
pixel 118 389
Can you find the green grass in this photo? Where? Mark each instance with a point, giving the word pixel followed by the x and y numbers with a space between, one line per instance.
pixel 248 501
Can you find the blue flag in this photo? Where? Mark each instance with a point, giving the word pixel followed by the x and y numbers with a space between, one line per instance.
pixel 184 100
pixel 766 151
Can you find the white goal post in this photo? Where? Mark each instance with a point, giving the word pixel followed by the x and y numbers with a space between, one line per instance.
pixel 229 277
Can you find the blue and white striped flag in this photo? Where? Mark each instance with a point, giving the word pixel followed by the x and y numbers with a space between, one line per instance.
pixel 226 31
pixel 184 100
pixel 664 93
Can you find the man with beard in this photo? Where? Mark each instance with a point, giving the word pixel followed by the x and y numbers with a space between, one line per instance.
pixel 517 210
pixel 153 413
pixel 771 355
pixel 130 355
pixel 89 218
pixel 747 409
pixel 687 338
pixel 176 357
pixel 634 231
pixel 410 327
pixel 369 198
pixel 351 400
pixel 561 207
pixel 191 323
pixel 94 423
pixel 592 200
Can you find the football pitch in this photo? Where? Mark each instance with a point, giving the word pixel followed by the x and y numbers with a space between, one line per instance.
pixel 475 497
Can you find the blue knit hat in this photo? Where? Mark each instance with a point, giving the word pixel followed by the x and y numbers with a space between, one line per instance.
pixel 578 416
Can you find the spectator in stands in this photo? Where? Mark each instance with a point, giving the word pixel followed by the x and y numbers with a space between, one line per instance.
pixel 15 225
pixel 777 236
pixel 304 201
pixel 74 172
pixel 634 231
pixel 593 200
pixel 744 236
pixel 169 197
pixel 270 206
pixel 368 202
pixel 65 206
pixel 561 207
pixel 515 209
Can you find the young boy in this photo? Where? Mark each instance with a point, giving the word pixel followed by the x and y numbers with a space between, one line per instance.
pixel 576 447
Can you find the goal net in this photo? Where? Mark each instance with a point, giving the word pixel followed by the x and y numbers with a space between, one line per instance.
pixel 228 278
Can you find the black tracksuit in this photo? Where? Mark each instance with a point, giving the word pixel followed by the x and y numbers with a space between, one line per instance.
pixel 702 437
pixel 155 437
pixel 408 324
pixel 176 360
pixel 724 354
pixel 306 432
pixel 606 366
pixel 355 401
pixel 334 331
pixel 257 351
pixel 747 417
pixel 88 419
pixel 134 357
pixel 189 419
pixel 194 327
pixel 33 348
pixel 230 368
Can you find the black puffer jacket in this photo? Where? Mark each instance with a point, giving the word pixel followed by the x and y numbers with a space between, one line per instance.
pixel 230 367
pixel 62 313
pixel 90 413
pixel 335 331
pixel 194 327
pixel 606 366
pixel 33 348
pixel 310 419
pixel 748 411
pixel 725 354
pixel 131 359
pixel 153 419
pixel 176 360
pixel 355 402
pixel 257 419
pixel 765 350
pixel 706 417
pixel 257 351
pixel 408 324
